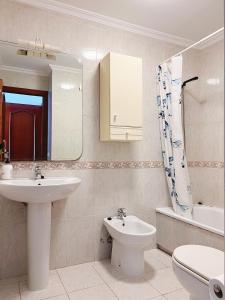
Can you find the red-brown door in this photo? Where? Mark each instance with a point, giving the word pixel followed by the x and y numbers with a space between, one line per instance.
pixel 25 127
pixel 1 113
pixel 23 131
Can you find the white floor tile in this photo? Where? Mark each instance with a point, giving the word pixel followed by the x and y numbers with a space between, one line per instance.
pixel 79 277
pixel 152 264
pixel 163 257
pixel 54 288
pixel 61 297
pixel 10 292
pixel 100 292
pixel 164 281
pixel 133 289
pixel 178 295
pixel 101 281
pixel 106 271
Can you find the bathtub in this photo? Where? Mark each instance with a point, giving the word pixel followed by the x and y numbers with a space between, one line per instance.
pixel 205 228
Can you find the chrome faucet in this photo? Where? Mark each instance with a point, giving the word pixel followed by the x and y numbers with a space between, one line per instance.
pixel 37 173
pixel 121 214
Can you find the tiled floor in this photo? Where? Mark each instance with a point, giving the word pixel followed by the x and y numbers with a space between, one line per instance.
pixel 99 281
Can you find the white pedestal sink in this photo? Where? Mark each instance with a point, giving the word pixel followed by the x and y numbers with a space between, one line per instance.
pixel 38 194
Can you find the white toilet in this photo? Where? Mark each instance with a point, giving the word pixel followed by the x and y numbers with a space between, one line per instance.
pixel 194 266
pixel 131 236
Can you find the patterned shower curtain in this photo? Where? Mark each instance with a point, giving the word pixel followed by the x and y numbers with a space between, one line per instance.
pixel 169 81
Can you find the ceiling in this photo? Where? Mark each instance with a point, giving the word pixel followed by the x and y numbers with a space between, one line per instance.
pixel 189 19
pixel 10 60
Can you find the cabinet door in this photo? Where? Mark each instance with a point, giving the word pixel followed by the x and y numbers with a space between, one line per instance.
pixel 125 90
pixel 125 133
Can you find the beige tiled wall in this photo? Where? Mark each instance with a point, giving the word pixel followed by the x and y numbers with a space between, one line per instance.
pixel 77 228
pixel 204 121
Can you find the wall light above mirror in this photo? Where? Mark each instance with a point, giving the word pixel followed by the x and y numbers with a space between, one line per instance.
pixel 40 103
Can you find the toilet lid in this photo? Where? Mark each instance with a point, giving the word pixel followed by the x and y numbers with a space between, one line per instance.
pixel 205 261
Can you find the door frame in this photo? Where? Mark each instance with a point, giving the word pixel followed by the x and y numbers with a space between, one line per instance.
pixel 32 92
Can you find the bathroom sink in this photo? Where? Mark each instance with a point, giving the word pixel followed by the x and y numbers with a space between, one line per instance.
pixel 38 191
pixel 38 194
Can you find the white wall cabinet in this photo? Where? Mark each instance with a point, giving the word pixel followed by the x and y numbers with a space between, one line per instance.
pixel 120 98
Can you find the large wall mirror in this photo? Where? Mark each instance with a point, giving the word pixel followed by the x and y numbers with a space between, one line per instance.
pixel 40 104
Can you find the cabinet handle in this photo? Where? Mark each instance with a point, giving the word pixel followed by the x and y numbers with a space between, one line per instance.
pixel 115 118
pixel 126 135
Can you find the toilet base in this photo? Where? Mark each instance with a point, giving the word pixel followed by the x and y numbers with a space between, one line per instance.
pixel 129 260
pixel 196 288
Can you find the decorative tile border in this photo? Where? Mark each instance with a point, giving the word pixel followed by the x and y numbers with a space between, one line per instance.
pixel 206 164
pixel 80 165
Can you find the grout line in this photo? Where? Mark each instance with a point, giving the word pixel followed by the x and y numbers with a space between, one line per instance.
pixel 123 277
pixel 67 293
pixel 92 264
pixel 80 289
pixel 160 294
pixel 176 290
pixel 106 282
pixel 155 298
pixel 19 290
pixel 165 265
pixel 86 288
pixel 52 298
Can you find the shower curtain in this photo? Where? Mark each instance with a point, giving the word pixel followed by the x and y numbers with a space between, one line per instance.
pixel 169 81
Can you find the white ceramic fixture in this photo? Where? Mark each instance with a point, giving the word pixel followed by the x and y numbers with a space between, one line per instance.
pixel 195 265
pixel 129 242
pixel 38 194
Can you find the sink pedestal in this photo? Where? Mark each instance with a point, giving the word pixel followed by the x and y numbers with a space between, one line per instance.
pixel 38 194
pixel 38 242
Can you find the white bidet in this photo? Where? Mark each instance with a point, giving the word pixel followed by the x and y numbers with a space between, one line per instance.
pixel 131 236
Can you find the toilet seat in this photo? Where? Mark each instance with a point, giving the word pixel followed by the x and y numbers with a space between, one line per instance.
pixel 202 262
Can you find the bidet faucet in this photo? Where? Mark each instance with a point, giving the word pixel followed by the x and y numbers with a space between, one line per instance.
pixel 121 213
pixel 37 173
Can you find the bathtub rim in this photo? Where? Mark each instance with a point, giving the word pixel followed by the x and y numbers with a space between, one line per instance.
pixel 168 211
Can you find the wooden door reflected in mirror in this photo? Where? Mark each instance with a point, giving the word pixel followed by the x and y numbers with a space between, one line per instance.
pixel 40 104
pixel 24 123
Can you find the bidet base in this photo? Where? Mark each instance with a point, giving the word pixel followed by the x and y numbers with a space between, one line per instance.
pixel 129 260
pixel 38 244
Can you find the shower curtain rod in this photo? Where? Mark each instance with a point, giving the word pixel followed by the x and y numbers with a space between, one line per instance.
pixel 195 44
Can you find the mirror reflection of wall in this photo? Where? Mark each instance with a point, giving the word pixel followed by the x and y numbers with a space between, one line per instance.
pixel 66 95
pixel 40 105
